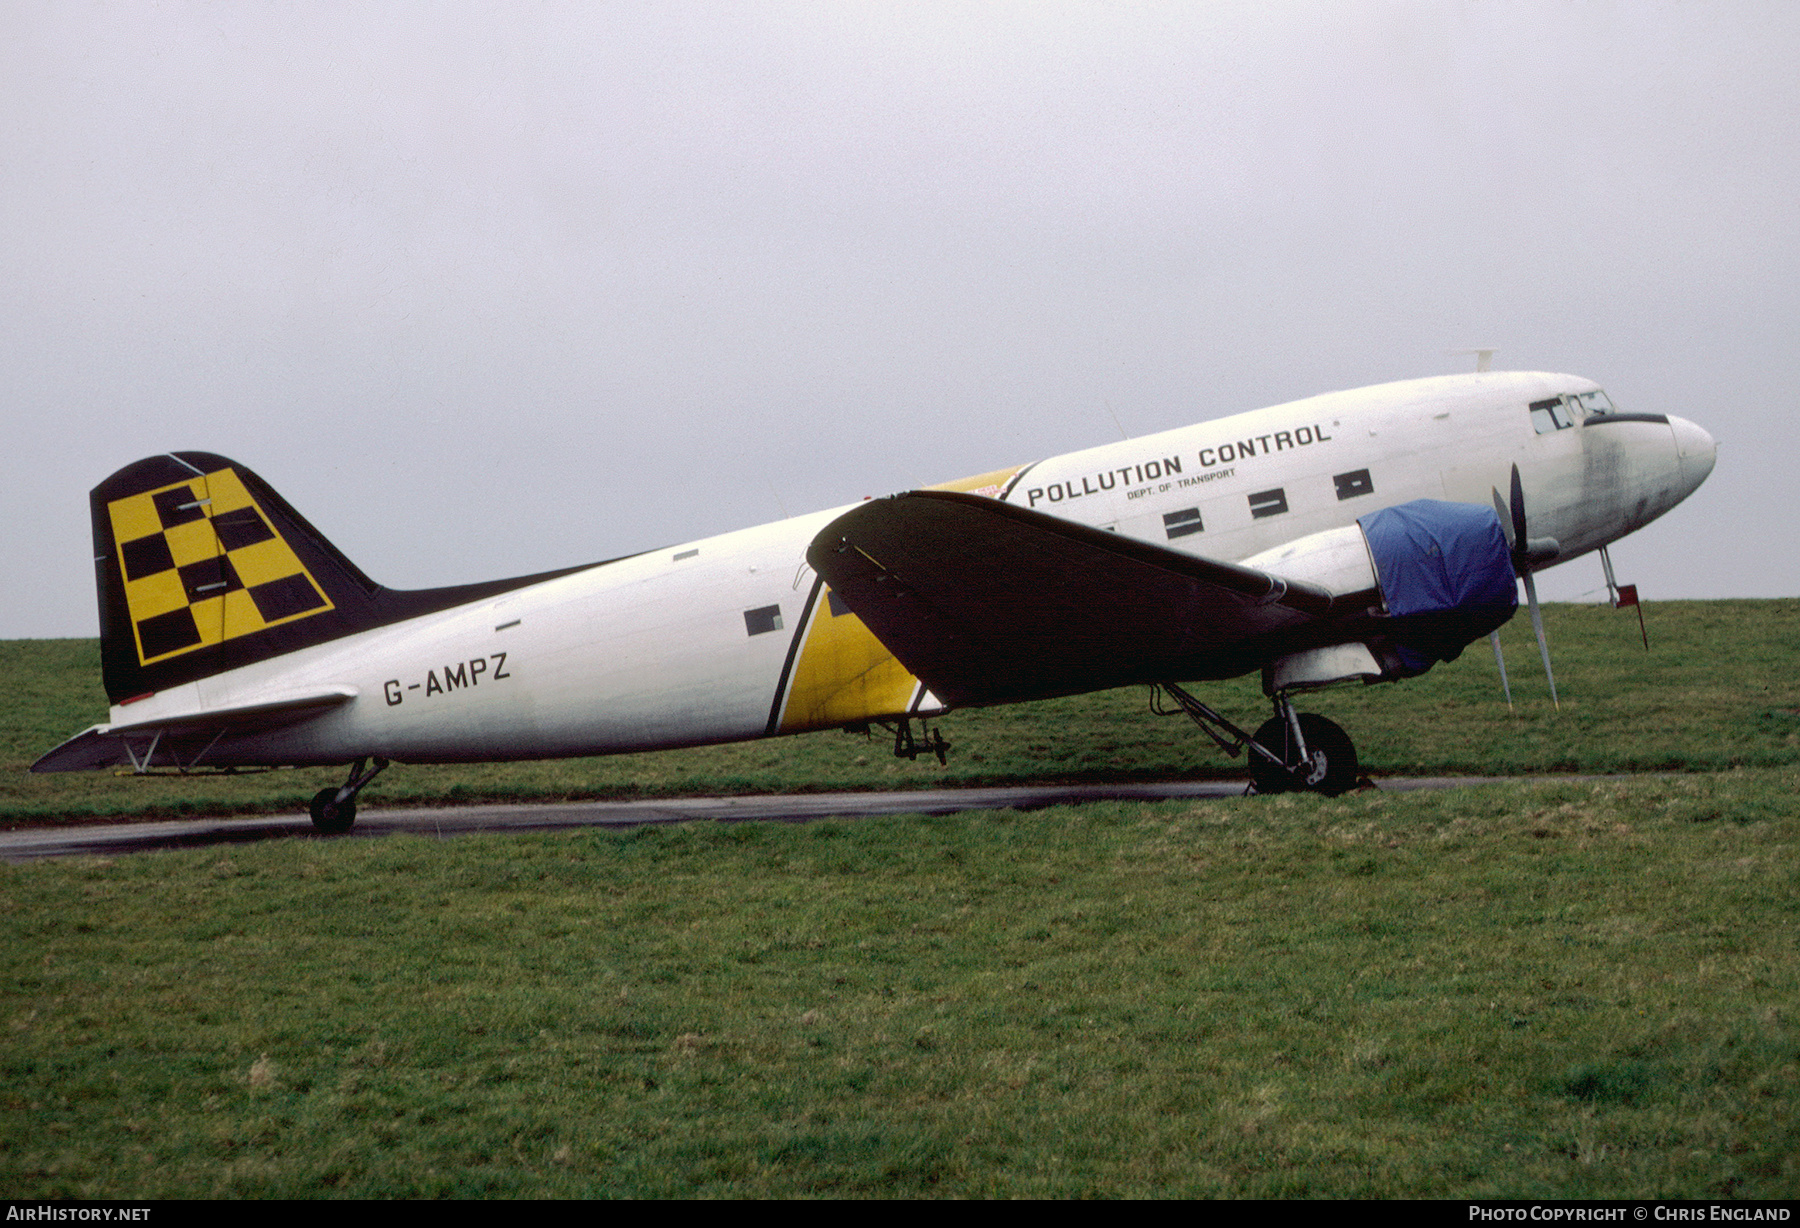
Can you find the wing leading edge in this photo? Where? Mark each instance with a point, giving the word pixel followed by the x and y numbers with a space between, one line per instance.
pixel 989 603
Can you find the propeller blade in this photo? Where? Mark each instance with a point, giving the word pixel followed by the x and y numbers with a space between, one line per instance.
pixel 1500 660
pixel 1537 625
pixel 1526 551
pixel 1505 519
pixel 1518 511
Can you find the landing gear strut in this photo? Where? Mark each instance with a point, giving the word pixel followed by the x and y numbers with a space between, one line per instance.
pixel 1291 751
pixel 334 810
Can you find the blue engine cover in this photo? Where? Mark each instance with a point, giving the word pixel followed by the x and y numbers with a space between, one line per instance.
pixel 1446 575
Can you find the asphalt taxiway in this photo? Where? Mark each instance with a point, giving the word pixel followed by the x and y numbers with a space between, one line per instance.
pixel 112 839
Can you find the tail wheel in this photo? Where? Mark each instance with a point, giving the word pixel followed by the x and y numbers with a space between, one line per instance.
pixel 1330 767
pixel 333 818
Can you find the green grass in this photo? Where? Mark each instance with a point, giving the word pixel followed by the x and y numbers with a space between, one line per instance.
pixel 1551 989
pixel 1720 688
pixel 1561 989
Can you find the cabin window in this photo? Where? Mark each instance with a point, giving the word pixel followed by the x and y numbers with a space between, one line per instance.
pixel 765 618
pixel 1350 485
pixel 1182 523
pixel 1268 503
pixel 1550 415
pixel 835 603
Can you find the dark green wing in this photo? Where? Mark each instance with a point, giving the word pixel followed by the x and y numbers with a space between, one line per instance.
pixel 991 603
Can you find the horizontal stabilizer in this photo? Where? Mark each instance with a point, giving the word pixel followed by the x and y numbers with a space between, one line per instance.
pixel 990 603
pixel 104 746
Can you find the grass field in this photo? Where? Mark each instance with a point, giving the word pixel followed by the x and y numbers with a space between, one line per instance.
pixel 1553 990
pixel 1557 988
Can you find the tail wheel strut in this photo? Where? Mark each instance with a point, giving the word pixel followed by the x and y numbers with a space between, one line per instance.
pixel 334 810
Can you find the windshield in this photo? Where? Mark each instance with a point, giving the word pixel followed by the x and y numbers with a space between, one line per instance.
pixel 1587 404
pixel 1559 413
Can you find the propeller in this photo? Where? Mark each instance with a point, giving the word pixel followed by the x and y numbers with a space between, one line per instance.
pixel 1500 660
pixel 1527 551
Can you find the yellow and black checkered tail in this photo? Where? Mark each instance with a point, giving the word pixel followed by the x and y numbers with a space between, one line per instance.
pixel 202 568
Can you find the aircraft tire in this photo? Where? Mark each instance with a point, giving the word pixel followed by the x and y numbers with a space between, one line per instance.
pixel 330 816
pixel 1332 765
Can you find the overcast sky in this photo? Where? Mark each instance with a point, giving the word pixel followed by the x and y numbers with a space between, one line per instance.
pixel 491 288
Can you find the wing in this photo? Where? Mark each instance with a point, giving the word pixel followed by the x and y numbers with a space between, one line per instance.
pixel 990 603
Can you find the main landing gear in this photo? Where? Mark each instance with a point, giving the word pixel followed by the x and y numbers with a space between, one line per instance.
pixel 1292 751
pixel 334 810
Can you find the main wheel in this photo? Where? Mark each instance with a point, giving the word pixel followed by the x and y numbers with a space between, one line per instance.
pixel 333 818
pixel 1330 766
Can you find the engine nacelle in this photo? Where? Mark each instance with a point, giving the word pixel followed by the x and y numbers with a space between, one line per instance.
pixel 1323 667
pixel 1440 573
pixel 1337 560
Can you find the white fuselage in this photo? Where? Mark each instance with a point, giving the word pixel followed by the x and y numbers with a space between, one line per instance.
pixel 714 640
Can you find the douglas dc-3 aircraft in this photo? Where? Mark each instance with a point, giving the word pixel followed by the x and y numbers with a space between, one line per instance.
pixel 1358 535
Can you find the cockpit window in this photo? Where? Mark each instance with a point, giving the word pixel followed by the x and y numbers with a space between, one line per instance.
pixel 1559 413
pixel 1588 404
pixel 1550 415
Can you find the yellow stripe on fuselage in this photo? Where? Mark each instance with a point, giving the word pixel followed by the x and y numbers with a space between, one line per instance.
pixel 993 485
pixel 844 675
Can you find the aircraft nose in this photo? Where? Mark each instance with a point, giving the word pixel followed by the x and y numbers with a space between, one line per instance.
pixel 1697 450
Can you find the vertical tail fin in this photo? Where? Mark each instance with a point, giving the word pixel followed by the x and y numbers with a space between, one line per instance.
pixel 201 567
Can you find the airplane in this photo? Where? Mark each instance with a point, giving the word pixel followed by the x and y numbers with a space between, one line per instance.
pixel 1357 536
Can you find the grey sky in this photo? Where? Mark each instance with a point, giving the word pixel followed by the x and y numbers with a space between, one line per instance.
pixel 485 289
